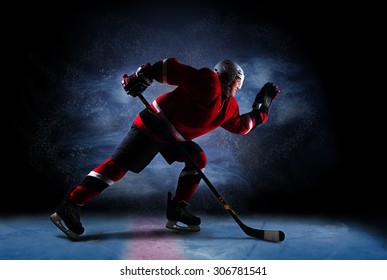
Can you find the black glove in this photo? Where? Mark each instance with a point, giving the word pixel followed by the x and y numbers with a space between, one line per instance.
pixel 137 82
pixel 265 97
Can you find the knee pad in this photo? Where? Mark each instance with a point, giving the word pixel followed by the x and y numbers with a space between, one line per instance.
pixel 200 159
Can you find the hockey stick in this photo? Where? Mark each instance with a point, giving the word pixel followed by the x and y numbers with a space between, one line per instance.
pixel 268 235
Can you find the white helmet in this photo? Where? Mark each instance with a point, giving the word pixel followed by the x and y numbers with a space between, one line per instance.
pixel 228 70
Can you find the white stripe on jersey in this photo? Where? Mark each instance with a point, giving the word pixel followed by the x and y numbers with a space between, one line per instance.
pixel 164 78
pixel 101 177
pixel 250 124
pixel 174 130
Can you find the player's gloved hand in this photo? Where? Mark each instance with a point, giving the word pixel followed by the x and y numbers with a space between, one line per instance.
pixel 138 82
pixel 265 97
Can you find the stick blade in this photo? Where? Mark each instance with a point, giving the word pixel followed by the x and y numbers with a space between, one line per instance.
pixel 268 235
pixel 274 235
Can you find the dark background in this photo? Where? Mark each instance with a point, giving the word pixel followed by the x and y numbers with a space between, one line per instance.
pixel 64 110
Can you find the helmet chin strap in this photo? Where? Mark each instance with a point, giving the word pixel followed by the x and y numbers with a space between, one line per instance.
pixel 226 91
pixel 226 81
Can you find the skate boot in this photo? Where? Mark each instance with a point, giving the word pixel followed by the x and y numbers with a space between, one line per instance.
pixel 177 214
pixel 68 212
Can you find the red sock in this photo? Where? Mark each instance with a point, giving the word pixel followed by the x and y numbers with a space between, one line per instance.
pixel 82 195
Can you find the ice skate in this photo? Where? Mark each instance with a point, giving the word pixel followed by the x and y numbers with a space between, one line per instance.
pixel 179 218
pixel 68 212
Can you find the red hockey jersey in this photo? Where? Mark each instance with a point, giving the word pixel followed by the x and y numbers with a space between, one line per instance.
pixel 196 106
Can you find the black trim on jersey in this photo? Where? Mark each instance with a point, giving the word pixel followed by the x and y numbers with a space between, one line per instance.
pixel 257 116
pixel 155 124
pixel 90 182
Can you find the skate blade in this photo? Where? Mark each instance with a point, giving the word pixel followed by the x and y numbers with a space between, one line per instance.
pixel 175 225
pixel 56 219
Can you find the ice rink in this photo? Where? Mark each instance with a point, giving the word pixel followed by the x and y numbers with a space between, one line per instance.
pixel 122 236
pixel 124 245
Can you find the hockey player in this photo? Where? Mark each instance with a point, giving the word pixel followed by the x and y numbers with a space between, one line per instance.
pixel 203 100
